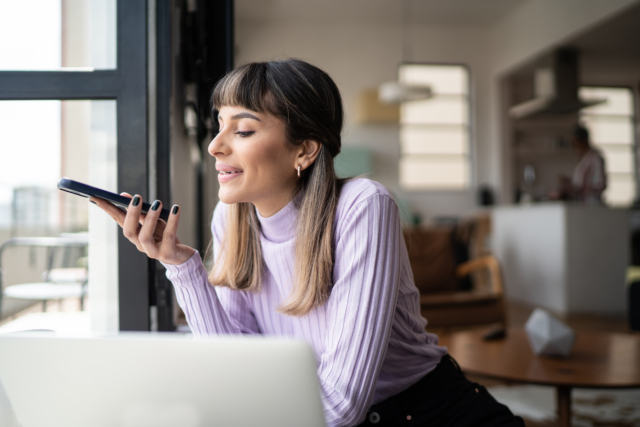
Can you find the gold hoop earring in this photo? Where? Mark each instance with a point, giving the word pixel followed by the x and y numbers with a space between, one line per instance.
pixel 298 171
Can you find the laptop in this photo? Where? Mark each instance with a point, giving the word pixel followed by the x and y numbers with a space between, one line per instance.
pixel 157 380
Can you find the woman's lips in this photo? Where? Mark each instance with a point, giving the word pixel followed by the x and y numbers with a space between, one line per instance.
pixel 227 172
pixel 223 176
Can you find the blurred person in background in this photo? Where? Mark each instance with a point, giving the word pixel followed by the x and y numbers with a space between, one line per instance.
pixel 589 178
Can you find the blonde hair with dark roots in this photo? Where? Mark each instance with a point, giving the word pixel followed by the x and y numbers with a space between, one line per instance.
pixel 307 100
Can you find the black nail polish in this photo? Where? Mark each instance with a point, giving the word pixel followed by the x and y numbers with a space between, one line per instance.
pixel 155 205
pixel 175 209
pixel 136 201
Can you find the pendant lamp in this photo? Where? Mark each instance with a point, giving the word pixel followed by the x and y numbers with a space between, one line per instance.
pixel 395 92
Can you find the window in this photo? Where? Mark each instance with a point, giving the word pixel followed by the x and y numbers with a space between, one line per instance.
pixel 67 35
pixel 67 109
pixel 75 138
pixel 610 127
pixel 435 133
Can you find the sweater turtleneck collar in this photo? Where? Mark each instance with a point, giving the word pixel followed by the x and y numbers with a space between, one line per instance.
pixel 281 226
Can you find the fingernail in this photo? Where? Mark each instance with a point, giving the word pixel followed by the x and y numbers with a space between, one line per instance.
pixel 175 209
pixel 136 201
pixel 155 205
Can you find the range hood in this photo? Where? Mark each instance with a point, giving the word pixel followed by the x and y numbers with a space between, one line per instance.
pixel 555 87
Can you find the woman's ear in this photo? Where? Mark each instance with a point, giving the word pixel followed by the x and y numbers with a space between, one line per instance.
pixel 307 153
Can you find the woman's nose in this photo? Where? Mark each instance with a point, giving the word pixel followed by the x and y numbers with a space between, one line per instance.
pixel 215 146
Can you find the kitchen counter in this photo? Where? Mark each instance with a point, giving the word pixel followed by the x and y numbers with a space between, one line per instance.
pixel 568 258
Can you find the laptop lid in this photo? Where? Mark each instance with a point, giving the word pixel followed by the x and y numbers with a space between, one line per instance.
pixel 144 380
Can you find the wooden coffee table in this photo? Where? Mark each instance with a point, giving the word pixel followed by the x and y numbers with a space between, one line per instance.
pixel 597 360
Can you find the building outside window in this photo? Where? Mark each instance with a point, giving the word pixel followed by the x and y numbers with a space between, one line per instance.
pixel 611 129
pixel 435 133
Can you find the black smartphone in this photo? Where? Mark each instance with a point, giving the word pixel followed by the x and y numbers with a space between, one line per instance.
pixel 84 190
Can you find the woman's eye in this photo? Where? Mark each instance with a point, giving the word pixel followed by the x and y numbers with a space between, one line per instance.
pixel 245 134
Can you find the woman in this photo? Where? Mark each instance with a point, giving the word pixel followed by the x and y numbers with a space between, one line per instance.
pixel 300 253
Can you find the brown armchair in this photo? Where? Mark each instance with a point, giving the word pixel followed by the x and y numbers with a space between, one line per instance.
pixel 455 293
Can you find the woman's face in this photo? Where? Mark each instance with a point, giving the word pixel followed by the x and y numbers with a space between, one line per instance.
pixel 255 162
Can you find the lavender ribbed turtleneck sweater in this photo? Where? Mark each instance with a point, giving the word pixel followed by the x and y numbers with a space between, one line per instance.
pixel 369 338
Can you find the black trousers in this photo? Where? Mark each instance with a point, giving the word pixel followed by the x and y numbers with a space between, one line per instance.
pixel 443 397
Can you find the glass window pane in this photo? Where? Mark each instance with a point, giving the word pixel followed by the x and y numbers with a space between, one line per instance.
pixel 443 79
pixel 76 139
pixel 609 130
pixel 437 110
pixel 620 190
pixel 434 172
pixel 434 139
pixel 618 159
pixel 54 34
pixel 619 101
pixel 434 133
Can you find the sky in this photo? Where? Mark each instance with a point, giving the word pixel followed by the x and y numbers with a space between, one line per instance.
pixel 30 39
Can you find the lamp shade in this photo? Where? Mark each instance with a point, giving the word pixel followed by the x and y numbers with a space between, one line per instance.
pixel 395 92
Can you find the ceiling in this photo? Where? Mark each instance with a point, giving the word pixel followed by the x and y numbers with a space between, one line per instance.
pixel 476 13
pixel 620 34
pixel 609 52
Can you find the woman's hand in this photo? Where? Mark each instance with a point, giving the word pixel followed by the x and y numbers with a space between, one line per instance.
pixel 152 236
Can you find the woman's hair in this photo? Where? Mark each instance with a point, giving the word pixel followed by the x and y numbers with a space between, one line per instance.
pixel 309 103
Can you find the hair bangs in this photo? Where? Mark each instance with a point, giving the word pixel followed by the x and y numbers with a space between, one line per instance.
pixel 247 87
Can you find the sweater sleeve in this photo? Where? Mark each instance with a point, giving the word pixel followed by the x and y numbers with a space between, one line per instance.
pixel 360 309
pixel 210 310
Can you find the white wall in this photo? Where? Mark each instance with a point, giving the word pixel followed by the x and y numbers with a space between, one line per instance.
pixel 362 55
